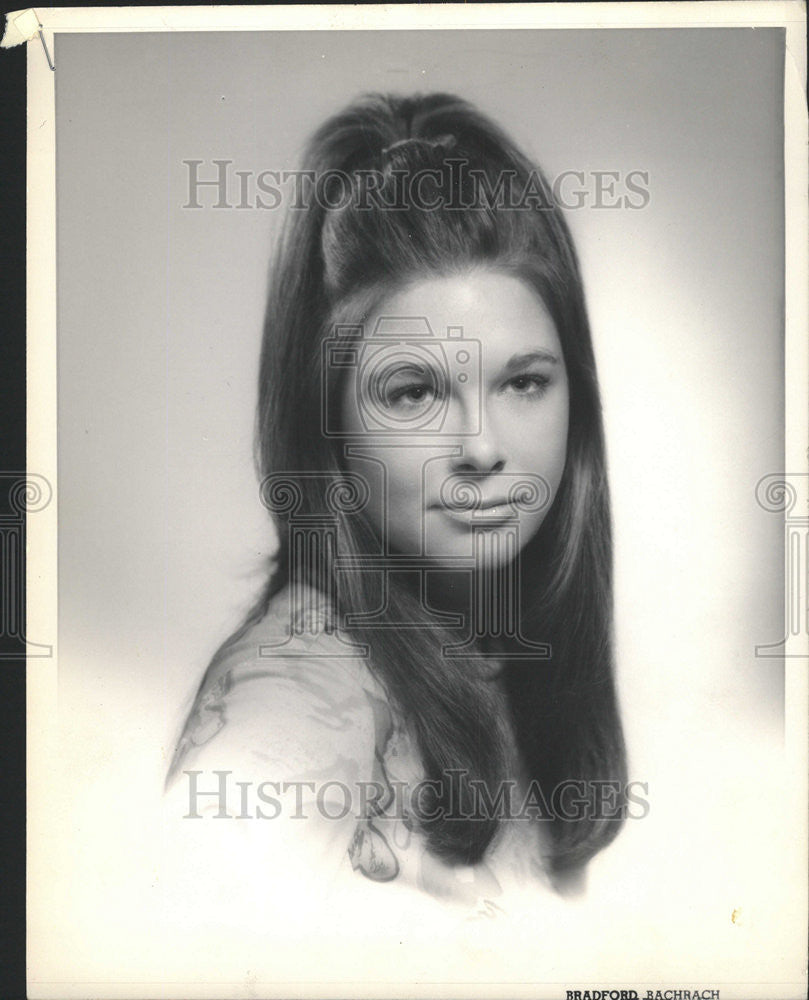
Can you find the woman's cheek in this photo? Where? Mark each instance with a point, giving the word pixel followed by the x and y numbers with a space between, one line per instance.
pixel 404 514
pixel 542 449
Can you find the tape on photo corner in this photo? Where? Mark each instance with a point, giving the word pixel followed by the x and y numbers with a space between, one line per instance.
pixel 22 26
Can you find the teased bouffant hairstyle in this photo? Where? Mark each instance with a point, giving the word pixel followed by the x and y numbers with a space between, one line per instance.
pixel 335 262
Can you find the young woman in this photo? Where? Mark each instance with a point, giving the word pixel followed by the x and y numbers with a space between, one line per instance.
pixel 429 671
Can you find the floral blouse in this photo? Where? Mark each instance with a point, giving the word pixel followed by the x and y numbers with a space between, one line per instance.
pixel 292 722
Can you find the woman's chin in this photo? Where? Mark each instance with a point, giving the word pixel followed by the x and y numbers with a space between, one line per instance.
pixel 490 546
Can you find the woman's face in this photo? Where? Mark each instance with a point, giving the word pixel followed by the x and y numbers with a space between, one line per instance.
pixel 455 411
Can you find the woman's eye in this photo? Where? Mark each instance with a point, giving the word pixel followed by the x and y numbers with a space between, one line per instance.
pixel 528 385
pixel 411 395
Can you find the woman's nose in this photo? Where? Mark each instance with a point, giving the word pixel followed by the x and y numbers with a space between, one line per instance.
pixel 482 453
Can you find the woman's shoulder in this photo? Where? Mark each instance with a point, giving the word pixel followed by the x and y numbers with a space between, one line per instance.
pixel 289 692
pixel 297 637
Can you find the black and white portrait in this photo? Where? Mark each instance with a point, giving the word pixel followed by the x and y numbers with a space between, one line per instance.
pixel 426 524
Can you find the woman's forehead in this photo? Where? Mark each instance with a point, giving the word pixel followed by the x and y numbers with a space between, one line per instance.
pixel 500 311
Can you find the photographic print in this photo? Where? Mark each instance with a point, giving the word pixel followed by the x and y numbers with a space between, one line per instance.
pixel 417 502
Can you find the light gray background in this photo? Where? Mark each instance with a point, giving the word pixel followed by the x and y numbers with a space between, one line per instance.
pixel 161 533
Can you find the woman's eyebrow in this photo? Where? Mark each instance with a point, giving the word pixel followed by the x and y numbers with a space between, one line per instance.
pixel 404 368
pixel 517 361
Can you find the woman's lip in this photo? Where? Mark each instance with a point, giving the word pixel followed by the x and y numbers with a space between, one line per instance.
pixel 492 512
pixel 462 508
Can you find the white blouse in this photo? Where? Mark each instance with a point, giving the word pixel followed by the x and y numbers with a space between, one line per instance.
pixel 292 735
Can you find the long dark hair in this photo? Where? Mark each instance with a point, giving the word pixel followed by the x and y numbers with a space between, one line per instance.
pixel 334 263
